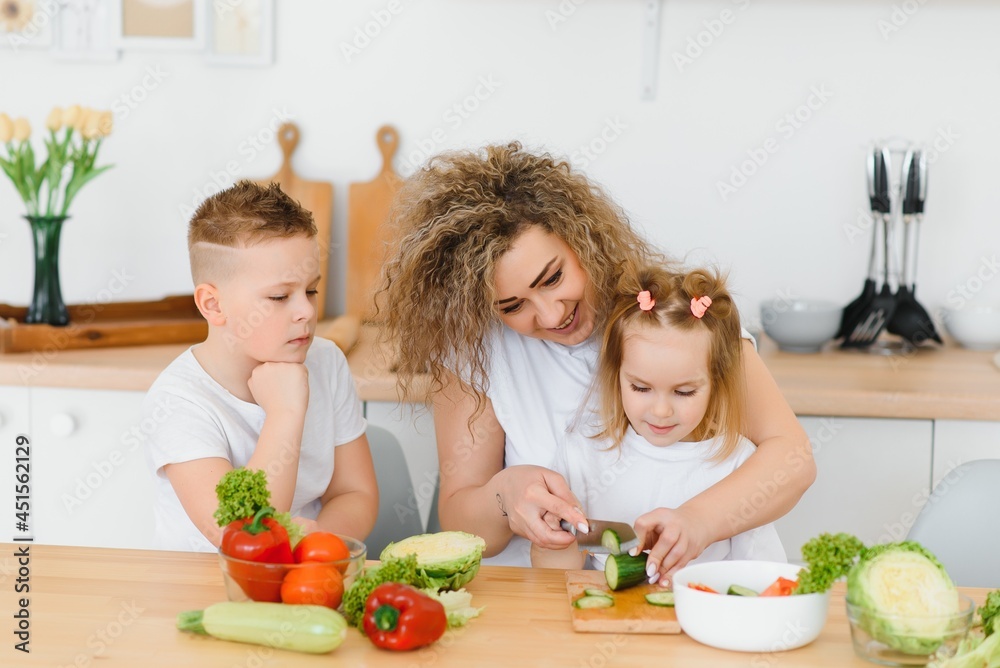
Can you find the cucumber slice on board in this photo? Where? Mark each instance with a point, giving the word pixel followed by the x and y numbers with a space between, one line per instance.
pixel 596 592
pixel 588 602
pixel 662 598
pixel 623 570
pixel 740 590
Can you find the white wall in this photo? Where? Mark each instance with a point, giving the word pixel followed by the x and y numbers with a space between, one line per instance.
pixel 559 85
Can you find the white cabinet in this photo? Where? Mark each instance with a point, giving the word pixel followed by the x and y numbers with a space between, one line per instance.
pixel 91 482
pixel 873 477
pixel 416 436
pixel 960 441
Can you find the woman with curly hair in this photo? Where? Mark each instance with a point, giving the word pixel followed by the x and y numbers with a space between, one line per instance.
pixel 504 265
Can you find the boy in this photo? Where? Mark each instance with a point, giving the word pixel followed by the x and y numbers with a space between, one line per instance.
pixel 259 392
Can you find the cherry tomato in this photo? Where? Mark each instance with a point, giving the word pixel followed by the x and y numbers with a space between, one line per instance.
pixel 313 584
pixel 322 546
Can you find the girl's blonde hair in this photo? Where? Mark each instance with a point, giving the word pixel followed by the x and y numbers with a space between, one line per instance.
pixel 454 219
pixel 673 292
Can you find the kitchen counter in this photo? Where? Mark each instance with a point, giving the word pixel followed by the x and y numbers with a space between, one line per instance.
pixel 96 606
pixel 946 383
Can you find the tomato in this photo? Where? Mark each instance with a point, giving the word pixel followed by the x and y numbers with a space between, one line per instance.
pixel 780 587
pixel 313 584
pixel 701 587
pixel 322 546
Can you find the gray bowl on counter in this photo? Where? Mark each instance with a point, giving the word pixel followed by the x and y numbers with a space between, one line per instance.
pixel 974 327
pixel 800 325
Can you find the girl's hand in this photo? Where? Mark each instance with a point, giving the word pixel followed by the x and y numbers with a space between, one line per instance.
pixel 534 499
pixel 673 538
pixel 308 525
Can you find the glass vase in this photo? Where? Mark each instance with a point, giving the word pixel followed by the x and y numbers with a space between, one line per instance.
pixel 46 300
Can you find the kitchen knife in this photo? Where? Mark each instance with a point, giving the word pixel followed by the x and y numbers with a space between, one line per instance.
pixel 595 541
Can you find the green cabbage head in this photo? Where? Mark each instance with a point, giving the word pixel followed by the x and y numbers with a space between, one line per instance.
pixel 445 560
pixel 903 579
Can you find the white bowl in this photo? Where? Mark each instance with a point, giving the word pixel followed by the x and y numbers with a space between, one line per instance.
pixel 974 327
pixel 800 325
pixel 747 623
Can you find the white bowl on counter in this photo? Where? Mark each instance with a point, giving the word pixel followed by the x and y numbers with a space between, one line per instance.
pixel 973 326
pixel 746 623
pixel 800 325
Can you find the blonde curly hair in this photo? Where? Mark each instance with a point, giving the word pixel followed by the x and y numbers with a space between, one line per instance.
pixel 453 220
pixel 672 293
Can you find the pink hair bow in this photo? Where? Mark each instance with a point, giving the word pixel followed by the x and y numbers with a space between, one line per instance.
pixel 700 305
pixel 646 302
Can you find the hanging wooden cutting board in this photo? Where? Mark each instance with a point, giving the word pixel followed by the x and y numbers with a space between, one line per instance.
pixel 630 613
pixel 315 196
pixel 367 234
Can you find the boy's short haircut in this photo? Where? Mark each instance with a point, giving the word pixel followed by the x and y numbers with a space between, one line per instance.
pixel 241 216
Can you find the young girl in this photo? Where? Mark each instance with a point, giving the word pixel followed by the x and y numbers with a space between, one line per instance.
pixel 667 413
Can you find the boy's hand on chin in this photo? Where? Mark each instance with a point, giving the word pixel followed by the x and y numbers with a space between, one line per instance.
pixel 278 386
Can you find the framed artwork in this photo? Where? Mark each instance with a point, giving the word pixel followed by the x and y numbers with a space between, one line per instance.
pixel 159 24
pixel 26 24
pixel 84 30
pixel 241 32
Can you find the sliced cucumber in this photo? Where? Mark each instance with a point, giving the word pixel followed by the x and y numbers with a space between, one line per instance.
pixel 588 602
pixel 623 570
pixel 611 542
pixel 596 592
pixel 663 598
pixel 740 590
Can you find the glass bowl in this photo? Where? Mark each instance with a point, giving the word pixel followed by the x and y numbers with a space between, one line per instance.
pixel 255 581
pixel 907 640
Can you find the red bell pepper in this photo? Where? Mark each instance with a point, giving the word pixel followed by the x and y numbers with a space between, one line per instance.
pixel 260 539
pixel 398 617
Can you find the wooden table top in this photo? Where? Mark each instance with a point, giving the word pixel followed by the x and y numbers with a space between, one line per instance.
pixel 110 607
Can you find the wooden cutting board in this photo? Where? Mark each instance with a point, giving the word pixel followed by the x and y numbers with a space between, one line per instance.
pixel 367 212
pixel 629 614
pixel 314 196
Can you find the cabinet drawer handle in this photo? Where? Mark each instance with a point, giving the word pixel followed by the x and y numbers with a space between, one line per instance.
pixel 62 424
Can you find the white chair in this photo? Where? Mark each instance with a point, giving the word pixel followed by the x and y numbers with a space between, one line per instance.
pixel 958 524
pixel 398 515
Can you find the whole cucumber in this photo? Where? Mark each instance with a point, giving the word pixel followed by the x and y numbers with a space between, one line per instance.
pixel 315 629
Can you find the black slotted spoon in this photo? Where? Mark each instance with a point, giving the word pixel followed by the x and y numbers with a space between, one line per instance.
pixel 849 317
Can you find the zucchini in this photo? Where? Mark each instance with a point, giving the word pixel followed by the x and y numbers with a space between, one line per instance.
pixel 315 629
pixel 623 570
pixel 611 542
pixel 740 590
pixel 596 592
pixel 586 602
pixel 662 598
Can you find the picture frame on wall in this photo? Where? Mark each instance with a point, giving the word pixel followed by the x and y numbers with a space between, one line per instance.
pixel 26 24
pixel 241 32
pixel 159 24
pixel 84 30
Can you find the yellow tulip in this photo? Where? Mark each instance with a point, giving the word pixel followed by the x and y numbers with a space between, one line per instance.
pixel 54 121
pixel 6 128
pixel 92 125
pixel 105 123
pixel 22 129
pixel 71 116
pixel 81 121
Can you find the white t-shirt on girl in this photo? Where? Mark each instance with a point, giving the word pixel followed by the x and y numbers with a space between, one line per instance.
pixel 621 484
pixel 196 418
pixel 536 388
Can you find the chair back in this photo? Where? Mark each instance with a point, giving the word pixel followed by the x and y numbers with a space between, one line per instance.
pixel 957 525
pixel 398 514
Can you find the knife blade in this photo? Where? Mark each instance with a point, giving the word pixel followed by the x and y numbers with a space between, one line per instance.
pixel 593 541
